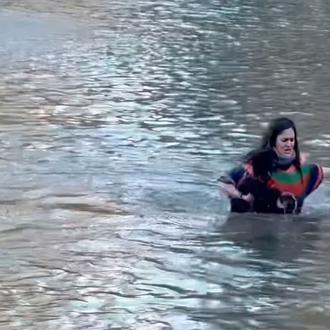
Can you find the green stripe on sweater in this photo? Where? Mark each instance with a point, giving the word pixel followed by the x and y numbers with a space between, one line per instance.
pixel 293 177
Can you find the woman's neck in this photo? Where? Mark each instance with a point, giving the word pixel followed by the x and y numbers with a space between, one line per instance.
pixel 284 161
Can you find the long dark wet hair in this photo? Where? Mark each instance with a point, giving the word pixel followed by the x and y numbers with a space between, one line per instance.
pixel 268 143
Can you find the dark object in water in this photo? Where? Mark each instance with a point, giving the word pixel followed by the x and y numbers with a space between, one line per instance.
pixel 289 202
pixel 265 198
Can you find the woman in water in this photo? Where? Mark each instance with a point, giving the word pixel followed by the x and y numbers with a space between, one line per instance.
pixel 274 178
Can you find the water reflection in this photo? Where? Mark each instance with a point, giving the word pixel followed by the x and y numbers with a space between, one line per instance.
pixel 115 121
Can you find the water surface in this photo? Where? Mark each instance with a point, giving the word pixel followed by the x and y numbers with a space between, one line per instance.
pixel 116 118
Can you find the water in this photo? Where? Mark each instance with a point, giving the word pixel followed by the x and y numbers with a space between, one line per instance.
pixel 116 118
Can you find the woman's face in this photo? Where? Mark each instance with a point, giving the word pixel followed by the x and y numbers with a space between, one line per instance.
pixel 284 145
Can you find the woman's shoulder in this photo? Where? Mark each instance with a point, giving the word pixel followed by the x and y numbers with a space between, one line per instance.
pixel 304 161
pixel 307 167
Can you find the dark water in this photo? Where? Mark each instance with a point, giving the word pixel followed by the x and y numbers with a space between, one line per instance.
pixel 116 118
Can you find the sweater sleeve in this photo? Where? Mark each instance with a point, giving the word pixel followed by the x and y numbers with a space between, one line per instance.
pixel 316 178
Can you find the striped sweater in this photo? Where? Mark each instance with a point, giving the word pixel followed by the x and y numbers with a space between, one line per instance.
pixel 289 180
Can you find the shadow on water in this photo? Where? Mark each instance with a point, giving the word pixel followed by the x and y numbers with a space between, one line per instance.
pixel 273 236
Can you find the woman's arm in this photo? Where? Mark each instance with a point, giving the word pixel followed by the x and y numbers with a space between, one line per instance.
pixel 304 157
pixel 232 192
pixel 228 184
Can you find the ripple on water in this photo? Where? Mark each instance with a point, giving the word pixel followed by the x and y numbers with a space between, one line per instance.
pixel 116 119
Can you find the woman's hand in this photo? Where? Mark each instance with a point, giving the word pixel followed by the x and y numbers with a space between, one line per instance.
pixel 304 157
pixel 230 190
pixel 248 198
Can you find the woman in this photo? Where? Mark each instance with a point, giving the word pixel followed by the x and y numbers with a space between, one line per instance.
pixel 274 178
